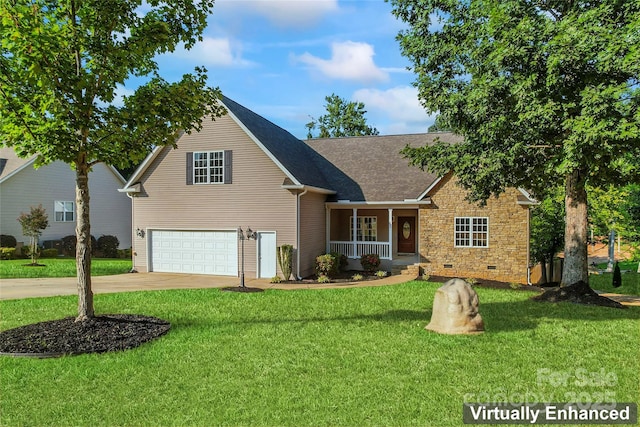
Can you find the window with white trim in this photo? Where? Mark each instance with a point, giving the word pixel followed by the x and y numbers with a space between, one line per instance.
pixel 208 167
pixel 367 228
pixel 64 211
pixel 471 232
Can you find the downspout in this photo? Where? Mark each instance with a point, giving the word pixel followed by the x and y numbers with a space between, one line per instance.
pixel 298 197
pixel 133 237
pixel 529 246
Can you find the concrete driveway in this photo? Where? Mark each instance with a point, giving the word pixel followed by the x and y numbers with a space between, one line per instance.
pixel 46 287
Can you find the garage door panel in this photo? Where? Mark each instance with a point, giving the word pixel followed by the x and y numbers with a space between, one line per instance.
pixel 201 252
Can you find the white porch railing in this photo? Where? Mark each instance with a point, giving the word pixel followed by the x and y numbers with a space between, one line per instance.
pixel 357 249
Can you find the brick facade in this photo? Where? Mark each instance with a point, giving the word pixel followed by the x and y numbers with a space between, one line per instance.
pixel 505 258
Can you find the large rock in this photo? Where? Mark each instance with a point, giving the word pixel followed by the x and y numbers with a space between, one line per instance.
pixel 455 309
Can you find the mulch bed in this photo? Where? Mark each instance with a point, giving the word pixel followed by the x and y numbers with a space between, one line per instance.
pixel 54 338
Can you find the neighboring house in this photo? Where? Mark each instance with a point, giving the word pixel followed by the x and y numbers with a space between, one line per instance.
pixel 53 187
pixel 349 195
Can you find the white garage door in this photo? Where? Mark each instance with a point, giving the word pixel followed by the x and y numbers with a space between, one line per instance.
pixel 198 252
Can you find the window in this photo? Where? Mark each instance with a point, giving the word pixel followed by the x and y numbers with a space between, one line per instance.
pixel 209 167
pixel 367 228
pixel 472 232
pixel 64 211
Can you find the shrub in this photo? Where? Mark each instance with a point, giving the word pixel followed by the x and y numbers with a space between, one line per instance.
pixel 617 277
pixel 276 279
pixel 341 261
pixel 285 259
pixel 514 285
pixel 7 253
pixel 49 253
pixel 426 277
pixel 69 245
pixel 357 277
pixel 326 265
pixel 370 262
pixel 323 278
pixel 381 273
pixel 471 280
pixel 108 245
pixel 8 241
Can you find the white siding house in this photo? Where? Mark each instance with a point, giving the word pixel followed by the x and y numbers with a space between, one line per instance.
pixel 53 187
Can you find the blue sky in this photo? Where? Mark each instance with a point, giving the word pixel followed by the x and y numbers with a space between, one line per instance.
pixel 281 58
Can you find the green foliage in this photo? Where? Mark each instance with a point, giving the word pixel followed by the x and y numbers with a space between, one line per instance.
pixel 616 281
pixel 108 245
pixel 8 241
pixel 62 267
pixel 343 118
pixel 275 279
pixel 440 125
pixel 326 265
pixel 33 224
pixel 342 261
pixel 49 253
pixel 547 227
pixel 7 253
pixel 357 277
pixel 370 262
pixel 69 245
pixel 61 66
pixel 380 274
pixel 285 260
pixel 544 94
pixel 323 278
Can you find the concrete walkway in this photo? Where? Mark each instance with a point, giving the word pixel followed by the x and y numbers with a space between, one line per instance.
pixel 47 287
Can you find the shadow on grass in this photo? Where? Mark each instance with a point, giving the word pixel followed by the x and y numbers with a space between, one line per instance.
pixel 497 316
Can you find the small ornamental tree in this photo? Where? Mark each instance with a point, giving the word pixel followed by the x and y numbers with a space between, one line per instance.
pixel 33 224
pixel 62 64
pixel 285 257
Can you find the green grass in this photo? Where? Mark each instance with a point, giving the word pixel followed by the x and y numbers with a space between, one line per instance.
pixel 603 282
pixel 60 267
pixel 332 357
pixel 624 265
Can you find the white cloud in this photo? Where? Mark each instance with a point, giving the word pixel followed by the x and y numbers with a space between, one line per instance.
pixel 399 105
pixel 349 61
pixel 214 52
pixel 286 13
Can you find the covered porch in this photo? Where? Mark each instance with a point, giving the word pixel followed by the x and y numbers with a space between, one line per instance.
pixel 390 232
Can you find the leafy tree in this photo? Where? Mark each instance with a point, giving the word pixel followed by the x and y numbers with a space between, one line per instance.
pixel 547 230
pixel 343 118
pixel 440 125
pixel 544 93
pixel 60 66
pixel 33 224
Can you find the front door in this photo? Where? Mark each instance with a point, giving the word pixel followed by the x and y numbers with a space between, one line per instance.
pixel 407 234
pixel 266 254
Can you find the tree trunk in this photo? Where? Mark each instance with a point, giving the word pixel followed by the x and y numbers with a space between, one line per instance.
pixel 576 230
pixel 83 245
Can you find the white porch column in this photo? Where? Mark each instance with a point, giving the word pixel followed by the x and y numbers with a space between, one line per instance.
pixel 354 234
pixel 327 228
pixel 390 233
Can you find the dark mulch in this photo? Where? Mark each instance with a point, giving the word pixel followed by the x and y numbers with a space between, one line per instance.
pixel 579 293
pixel 110 332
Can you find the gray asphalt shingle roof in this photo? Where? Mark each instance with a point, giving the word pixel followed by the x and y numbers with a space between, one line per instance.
pixel 371 168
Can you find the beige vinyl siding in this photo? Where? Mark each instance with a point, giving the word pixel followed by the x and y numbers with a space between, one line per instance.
pixel 312 231
pixel 255 199
pixel 110 210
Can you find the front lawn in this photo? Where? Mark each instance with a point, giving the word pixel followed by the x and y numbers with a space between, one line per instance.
pixel 60 267
pixel 338 357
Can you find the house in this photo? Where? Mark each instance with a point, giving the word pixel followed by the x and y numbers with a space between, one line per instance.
pixel 349 195
pixel 53 187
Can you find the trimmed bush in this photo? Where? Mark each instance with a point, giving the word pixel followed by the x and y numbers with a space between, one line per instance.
pixel 617 277
pixel 326 265
pixel 285 259
pixel 8 241
pixel 341 260
pixel 69 245
pixel 370 262
pixel 49 253
pixel 108 245
pixel 323 278
pixel 7 253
